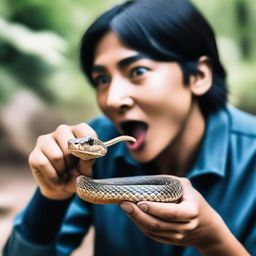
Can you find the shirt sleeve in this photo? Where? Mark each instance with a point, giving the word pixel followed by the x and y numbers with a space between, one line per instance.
pixel 40 228
pixel 50 227
pixel 17 245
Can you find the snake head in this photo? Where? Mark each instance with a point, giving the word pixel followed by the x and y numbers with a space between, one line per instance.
pixel 90 141
pixel 87 148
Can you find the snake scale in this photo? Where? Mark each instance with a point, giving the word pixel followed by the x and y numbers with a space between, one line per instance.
pixel 157 188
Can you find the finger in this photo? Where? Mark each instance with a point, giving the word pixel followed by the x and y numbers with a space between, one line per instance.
pixel 173 234
pixel 186 210
pixel 182 212
pixel 84 130
pixel 84 167
pixel 153 224
pixel 70 184
pixel 42 169
pixel 155 228
pixel 160 239
pixel 168 238
pixel 62 134
pixel 165 236
pixel 53 153
pixel 145 221
pixel 189 193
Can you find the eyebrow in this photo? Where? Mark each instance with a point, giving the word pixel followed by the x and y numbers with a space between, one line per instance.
pixel 127 61
pixel 122 63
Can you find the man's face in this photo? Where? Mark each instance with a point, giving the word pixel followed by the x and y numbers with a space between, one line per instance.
pixel 143 98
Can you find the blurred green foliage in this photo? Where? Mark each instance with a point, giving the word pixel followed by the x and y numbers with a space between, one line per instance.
pixel 39 47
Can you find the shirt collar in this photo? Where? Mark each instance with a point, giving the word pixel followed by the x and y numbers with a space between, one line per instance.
pixel 212 155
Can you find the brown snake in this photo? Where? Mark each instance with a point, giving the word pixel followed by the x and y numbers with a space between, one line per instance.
pixel 157 188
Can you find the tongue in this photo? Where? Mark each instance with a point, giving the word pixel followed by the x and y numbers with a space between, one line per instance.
pixel 139 133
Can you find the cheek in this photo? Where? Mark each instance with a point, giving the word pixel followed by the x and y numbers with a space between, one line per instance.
pixel 169 101
pixel 166 123
pixel 179 103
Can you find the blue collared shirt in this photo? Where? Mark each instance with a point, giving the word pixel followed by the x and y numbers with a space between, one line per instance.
pixel 224 173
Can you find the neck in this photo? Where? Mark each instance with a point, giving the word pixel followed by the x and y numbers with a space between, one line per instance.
pixel 179 156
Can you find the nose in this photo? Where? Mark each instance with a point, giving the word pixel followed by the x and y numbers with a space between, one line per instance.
pixel 119 95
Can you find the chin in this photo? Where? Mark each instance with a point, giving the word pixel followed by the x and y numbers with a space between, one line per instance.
pixel 143 156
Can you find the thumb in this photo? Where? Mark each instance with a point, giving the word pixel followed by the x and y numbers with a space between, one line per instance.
pixel 84 167
pixel 80 169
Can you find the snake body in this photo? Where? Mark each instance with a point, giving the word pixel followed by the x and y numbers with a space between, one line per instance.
pixel 157 188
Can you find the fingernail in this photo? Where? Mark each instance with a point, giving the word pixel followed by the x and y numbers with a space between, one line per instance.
pixel 143 207
pixel 127 208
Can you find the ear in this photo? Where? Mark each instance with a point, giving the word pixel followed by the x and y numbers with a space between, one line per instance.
pixel 202 82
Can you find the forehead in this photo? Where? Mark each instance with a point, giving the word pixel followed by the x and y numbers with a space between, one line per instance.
pixel 111 48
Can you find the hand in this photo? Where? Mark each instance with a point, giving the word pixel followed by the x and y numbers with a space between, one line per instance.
pixel 192 222
pixel 53 167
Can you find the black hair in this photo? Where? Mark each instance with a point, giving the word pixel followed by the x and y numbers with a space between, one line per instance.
pixel 166 30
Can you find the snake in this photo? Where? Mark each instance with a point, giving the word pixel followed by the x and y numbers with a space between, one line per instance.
pixel 155 188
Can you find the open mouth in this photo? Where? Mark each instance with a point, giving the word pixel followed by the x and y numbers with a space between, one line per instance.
pixel 136 129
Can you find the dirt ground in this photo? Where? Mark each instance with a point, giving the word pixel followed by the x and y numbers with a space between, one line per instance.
pixel 16 188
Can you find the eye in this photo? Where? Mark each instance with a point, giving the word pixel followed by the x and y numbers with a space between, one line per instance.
pixel 101 80
pixel 138 71
pixel 90 141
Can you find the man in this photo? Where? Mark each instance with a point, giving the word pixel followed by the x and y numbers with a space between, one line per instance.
pixel 155 67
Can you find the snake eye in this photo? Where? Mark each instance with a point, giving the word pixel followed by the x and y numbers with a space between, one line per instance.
pixel 90 141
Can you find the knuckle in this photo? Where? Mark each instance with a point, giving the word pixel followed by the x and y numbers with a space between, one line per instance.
pixel 178 237
pixel 40 163
pixel 31 158
pixel 82 125
pixel 185 181
pixel 193 212
pixel 57 157
pixel 86 128
pixel 193 225
pixel 41 138
pixel 189 227
pixel 62 127
pixel 34 160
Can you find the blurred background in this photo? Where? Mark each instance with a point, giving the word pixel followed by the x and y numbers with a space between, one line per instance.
pixel 41 85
